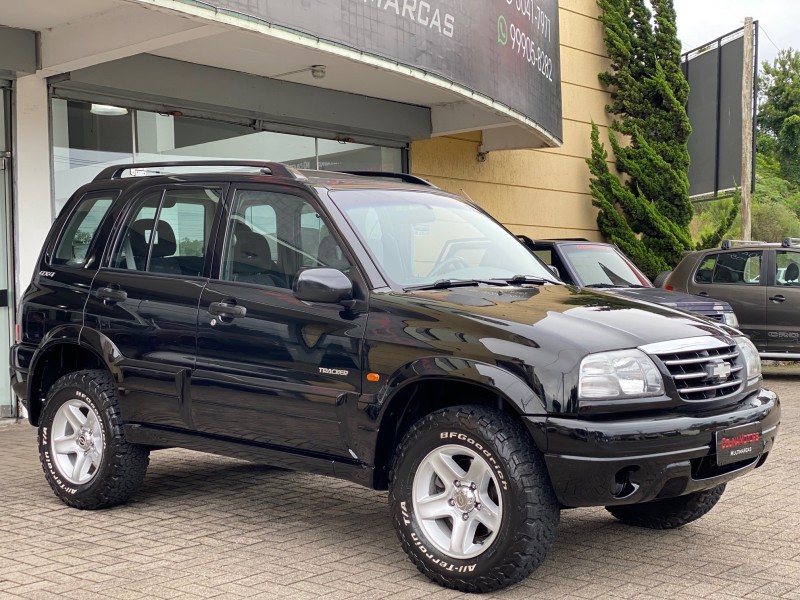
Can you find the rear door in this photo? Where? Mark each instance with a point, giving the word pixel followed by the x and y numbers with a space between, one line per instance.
pixel 271 368
pixel 144 299
pixel 783 302
pixel 737 276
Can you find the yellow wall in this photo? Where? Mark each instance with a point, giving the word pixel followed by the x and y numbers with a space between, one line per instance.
pixel 542 193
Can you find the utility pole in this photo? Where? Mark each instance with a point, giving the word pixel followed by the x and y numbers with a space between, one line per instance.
pixel 747 126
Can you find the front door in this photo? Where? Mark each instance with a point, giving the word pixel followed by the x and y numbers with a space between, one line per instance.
pixel 6 290
pixel 270 368
pixel 738 277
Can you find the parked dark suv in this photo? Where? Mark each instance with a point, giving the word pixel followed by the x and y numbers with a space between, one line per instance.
pixel 379 331
pixel 604 267
pixel 761 281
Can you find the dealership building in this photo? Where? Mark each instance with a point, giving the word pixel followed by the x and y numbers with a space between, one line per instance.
pixel 491 99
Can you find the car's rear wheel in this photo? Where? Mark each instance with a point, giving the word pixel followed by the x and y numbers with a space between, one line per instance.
pixel 471 500
pixel 670 512
pixel 82 447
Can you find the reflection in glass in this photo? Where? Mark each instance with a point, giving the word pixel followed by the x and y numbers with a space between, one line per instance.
pixel 86 140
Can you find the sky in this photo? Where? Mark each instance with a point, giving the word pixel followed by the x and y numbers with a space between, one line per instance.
pixel 702 21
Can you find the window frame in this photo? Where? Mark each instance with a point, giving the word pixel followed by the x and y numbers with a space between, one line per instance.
pixel 763 273
pixel 126 214
pixel 67 218
pixel 225 231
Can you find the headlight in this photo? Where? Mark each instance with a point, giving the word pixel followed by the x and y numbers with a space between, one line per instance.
pixel 621 374
pixel 729 318
pixel 752 360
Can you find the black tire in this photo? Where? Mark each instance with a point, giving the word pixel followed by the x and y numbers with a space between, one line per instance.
pixel 120 467
pixel 661 278
pixel 529 513
pixel 670 512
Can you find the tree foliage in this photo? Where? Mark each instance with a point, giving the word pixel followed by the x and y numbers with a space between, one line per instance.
pixel 779 109
pixel 775 202
pixel 648 216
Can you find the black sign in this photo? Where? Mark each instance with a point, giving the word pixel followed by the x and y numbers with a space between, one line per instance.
pixel 505 50
pixel 739 444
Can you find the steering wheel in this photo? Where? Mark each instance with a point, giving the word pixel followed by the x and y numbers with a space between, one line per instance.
pixel 450 264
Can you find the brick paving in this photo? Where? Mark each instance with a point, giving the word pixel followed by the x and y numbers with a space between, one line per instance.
pixel 210 527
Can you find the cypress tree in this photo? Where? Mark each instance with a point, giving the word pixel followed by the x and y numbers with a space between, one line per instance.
pixel 648 216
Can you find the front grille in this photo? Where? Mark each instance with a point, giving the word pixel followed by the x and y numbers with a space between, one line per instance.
pixel 705 373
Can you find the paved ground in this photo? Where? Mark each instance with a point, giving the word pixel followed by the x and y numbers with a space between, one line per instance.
pixel 208 527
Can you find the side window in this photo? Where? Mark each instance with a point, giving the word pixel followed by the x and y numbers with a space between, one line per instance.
pixel 787 268
pixel 743 268
pixel 81 228
pixel 272 236
pixel 168 232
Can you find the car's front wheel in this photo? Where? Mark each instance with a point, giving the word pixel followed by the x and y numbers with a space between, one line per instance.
pixel 82 447
pixel 670 512
pixel 471 500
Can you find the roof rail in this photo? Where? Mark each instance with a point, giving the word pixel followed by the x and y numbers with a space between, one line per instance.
pixel 790 241
pixel 728 244
pixel 267 168
pixel 392 175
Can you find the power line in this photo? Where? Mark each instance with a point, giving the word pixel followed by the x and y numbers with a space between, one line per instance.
pixel 769 38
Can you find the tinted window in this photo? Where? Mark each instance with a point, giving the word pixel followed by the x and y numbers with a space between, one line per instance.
pixel 743 268
pixel 168 232
pixel 272 236
pixel 598 265
pixel 787 268
pixel 81 228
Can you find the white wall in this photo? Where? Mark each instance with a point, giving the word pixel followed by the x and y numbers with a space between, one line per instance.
pixel 33 212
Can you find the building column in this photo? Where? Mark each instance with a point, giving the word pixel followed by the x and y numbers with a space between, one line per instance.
pixel 33 188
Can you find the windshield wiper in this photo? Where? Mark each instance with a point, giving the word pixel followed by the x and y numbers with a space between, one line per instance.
pixel 613 285
pixel 517 279
pixel 443 284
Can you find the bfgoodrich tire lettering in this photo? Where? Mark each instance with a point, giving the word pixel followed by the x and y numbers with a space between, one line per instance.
pixel 670 512
pixel 84 454
pixel 511 509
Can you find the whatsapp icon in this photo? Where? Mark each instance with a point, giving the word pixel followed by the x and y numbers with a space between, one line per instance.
pixel 502 31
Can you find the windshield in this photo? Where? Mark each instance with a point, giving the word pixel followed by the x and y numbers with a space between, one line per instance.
pixel 418 238
pixel 603 265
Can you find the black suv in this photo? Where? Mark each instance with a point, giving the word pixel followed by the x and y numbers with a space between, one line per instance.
pixel 379 331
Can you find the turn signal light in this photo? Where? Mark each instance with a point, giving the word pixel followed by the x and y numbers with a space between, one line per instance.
pixel 373 377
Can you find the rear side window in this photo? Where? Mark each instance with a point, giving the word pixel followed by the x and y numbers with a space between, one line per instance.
pixel 81 228
pixel 743 268
pixel 168 232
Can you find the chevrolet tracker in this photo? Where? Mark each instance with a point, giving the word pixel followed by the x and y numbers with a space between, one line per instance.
pixel 377 329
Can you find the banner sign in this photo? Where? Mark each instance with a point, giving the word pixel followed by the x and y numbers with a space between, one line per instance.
pixel 506 50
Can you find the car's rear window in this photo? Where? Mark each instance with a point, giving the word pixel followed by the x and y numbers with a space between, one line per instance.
pixel 82 227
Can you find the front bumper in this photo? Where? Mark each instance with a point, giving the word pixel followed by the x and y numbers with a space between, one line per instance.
pixel 603 463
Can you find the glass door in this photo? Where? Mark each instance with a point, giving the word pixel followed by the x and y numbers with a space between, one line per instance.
pixel 7 403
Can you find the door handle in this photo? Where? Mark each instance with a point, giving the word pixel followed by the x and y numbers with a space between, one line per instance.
pixel 112 294
pixel 224 309
pixel 703 294
pixel 777 299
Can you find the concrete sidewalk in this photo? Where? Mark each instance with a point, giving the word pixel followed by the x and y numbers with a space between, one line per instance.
pixel 210 527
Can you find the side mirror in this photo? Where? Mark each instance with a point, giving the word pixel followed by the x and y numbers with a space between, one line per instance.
pixel 323 285
pixel 555 270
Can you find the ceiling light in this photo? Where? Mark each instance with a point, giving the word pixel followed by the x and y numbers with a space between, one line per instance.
pixel 107 110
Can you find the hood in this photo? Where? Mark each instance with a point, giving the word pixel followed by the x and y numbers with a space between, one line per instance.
pixel 571 319
pixel 680 300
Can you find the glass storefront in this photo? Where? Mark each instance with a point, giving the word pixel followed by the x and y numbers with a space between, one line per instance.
pixel 89 137
pixel 6 292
